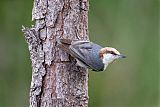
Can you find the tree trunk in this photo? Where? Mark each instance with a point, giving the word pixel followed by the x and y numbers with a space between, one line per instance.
pixel 54 83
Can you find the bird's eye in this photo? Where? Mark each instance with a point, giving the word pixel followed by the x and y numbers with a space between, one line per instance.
pixel 111 52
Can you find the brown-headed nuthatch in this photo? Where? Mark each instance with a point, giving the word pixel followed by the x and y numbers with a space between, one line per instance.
pixel 88 54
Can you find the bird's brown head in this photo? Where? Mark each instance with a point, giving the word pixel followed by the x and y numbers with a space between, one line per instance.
pixel 109 54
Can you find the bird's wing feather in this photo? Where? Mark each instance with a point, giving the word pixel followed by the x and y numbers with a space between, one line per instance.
pixel 88 53
pixel 74 48
pixel 80 50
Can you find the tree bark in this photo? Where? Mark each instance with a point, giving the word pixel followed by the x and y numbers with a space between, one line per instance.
pixel 54 83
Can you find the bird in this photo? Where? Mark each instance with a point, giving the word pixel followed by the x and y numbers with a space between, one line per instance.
pixel 89 54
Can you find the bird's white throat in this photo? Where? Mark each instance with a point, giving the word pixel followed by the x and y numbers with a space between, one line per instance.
pixel 107 58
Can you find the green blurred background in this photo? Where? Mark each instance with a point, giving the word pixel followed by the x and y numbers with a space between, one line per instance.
pixel 131 26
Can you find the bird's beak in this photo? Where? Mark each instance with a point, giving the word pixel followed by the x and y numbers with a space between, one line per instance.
pixel 121 56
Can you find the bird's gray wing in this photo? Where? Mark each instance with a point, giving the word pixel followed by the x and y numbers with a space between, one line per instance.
pixel 88 53
pixel 80 49
pixel 75 48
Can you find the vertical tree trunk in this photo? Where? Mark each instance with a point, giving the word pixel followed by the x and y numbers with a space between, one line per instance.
pixel 53 83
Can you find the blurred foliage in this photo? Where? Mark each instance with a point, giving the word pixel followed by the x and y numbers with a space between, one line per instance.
pixel 131 26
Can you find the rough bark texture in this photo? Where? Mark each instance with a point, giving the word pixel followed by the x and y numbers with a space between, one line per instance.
pixel 54 83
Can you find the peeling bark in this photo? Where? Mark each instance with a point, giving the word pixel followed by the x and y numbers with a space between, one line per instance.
pixel 54 83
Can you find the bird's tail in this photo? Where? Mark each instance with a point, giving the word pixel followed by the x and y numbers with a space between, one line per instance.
pixel 64 45
pixel 66 41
